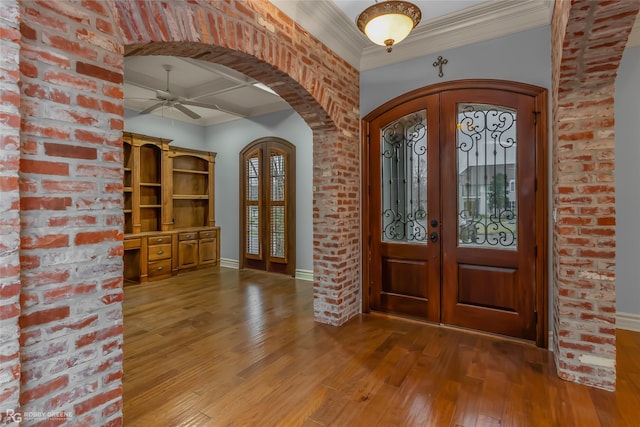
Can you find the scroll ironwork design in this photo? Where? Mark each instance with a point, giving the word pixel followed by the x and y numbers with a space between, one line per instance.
pixel 404 179
pixel 487 192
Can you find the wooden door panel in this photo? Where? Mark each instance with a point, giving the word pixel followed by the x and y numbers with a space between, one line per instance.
pixel 489 287
pixel 404 277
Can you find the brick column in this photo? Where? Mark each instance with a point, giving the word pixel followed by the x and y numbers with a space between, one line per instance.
pixel 336 228
pixel 588 39
pixel 9 210
pixel 71 213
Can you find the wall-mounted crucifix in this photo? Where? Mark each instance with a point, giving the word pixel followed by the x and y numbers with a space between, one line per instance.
pixel 440 63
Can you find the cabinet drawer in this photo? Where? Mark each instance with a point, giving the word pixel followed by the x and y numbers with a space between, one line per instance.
pixel 208 234
pixel 190 235
pixel 157 240
pixel 157 252
pixel 159 268
pixel 132 243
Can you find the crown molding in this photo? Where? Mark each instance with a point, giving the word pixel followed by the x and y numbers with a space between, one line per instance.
pixel 494 18
pixel 478 23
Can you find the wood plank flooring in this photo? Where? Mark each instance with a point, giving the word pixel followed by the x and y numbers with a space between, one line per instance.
pixel 222 347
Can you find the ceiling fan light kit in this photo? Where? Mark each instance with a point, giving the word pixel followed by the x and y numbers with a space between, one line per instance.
pixel 389 22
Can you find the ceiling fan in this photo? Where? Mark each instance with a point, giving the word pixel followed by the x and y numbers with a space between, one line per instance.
pixel 166 99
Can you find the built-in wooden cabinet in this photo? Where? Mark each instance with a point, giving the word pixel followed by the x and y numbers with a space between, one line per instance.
pixel 190 198
pixel 143 184
pixel 187 250
pixel 208 247
pixel 169 221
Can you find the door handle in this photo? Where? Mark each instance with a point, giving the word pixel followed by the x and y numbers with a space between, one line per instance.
pixel 433 237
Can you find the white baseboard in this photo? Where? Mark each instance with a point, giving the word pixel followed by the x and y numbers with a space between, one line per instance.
pixel 229 263
pixel 235 264
pixel 628 321
pixel 304 275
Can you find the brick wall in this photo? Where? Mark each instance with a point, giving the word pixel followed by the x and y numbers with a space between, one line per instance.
pixel 71 212
pixel 9 206
pixel 589 38
pixel 63 178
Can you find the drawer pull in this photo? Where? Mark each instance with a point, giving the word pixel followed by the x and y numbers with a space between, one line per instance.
pixel 160 268
pixel 207 234
pixel 188 236
pixel 160 240
pixel 160 252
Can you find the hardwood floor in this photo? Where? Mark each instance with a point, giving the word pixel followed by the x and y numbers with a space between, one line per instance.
pixel 222 347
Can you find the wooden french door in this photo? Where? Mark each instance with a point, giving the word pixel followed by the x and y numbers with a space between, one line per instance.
pixel 267 206
pixel 404 211
pixel 454 209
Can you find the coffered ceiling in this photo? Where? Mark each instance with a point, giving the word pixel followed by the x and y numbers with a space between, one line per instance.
pixel 230 95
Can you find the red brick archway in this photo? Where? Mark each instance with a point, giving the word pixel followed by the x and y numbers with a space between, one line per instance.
pixel 589 38
pixel 61 78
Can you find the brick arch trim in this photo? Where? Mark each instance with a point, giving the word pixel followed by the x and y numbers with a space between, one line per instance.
pixel 259 41
pixel 588 40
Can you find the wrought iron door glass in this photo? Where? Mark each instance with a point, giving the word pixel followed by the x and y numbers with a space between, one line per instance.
pixel 404 179
pixel 486 151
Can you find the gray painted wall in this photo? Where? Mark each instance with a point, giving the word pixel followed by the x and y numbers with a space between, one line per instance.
pixel 183 134
pixel 627 108
pixel 522 57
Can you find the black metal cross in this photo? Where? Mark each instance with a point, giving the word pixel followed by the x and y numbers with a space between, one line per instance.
pixel 439 63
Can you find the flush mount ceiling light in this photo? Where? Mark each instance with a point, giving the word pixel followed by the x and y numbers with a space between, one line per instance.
pixel 389 22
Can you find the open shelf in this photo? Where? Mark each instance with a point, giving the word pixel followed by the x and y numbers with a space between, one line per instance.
pixel 190 196
pixel 190 171
pixel 190 213
pixel 190 163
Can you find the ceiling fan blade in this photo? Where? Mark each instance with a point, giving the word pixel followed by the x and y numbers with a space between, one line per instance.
pixel 152 108
pixel 213 107
pixel 186 111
